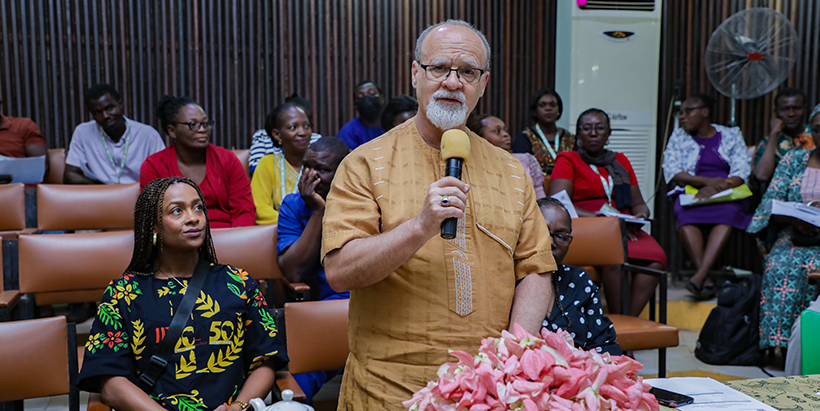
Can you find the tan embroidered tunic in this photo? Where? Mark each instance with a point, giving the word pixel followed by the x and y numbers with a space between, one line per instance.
pixel 451 293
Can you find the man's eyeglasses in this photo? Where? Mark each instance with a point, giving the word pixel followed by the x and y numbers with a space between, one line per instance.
pixel 688 110
pixel 467 75
pixel 562 239
pixel 599 128
pixel 195 125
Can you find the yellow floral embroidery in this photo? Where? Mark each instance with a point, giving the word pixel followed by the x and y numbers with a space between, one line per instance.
pixel 186 367
pixel 219 361
pixel 207 304
pixel 125 292
pixel 139 338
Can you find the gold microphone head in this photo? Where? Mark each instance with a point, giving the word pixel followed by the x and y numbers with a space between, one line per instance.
pixel 455 144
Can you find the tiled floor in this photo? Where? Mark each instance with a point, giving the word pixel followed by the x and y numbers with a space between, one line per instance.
pixel 681 361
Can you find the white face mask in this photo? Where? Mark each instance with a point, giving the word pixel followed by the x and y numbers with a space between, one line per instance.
pixel 445 116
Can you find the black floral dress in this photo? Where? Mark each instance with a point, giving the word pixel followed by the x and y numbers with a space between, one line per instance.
pixel 230 334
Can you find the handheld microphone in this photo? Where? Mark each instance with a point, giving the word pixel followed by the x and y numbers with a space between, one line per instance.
pixel 455 149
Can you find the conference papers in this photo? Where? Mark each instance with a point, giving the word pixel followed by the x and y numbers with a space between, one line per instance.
pixel 800 211
pixel 709 394
pixel 28 170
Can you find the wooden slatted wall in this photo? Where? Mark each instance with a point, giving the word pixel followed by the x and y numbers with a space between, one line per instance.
pixel 241 58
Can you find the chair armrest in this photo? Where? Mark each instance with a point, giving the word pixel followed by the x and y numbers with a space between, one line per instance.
pixel 95 403
pixel 285 381
pixel 9 298
pixel 298 291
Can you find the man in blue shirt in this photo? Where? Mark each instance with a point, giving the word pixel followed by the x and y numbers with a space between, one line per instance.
pixel 367 125
pixel 299 234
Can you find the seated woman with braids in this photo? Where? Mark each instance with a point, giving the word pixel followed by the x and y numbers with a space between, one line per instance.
pixel 577 307
pixel 217 171
pixel 228 348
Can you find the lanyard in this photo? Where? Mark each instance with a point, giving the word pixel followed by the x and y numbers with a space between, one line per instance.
pixel 127 138
pixel 553 152
pixel 282 182
pixel 608 185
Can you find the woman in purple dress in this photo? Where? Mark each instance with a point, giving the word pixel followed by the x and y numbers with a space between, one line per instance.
pixel 711 158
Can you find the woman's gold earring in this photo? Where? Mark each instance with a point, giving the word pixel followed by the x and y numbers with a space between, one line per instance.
pixel 155 239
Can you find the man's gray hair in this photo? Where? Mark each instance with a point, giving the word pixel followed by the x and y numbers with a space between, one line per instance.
pixel 452 22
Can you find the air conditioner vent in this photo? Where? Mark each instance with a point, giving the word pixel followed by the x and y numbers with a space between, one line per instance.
pixel 624 5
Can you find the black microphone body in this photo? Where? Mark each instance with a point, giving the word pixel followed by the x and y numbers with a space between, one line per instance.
pixel 450 225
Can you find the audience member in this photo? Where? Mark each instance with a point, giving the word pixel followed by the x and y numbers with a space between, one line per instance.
pixel 365 127
pixel 414 294
pixel 216 170
pixel 577 307
pixel 711 158
pixel 111 148
pixel 494 130
pixel 228 351
pixel 299 235
pixel 788 131
pixel 277 174
pixel 600 180
pixel 398 110
pixel 785 291
pixel 19 138
pixel 261 143
pixel 545 140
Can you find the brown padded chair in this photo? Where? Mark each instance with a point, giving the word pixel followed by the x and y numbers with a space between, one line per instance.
pixel 39 359
pixel 70 268
pixel 56 166
pixel 8 298
pixel 316 337
pixel 600 241
pixel 86 207
pixel 13 206
pixel 244 157
pixel 547 184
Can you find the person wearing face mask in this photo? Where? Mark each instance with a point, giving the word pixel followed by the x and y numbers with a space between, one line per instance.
pixel 414 294
pixel 577 307
pixel 216 170
pixel 277 174
pixel 597 179
pixel 545 140
pixel 494 130
pixel 111 148
pixel 367 125
pixel 299 235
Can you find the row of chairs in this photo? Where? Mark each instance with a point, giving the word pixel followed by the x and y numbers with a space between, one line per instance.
pixel 56 158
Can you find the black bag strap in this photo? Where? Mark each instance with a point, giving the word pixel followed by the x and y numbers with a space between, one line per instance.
pixel 148 379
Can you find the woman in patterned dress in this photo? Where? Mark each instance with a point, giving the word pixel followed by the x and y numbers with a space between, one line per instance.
pixel 785 291
pixel 228 350
pixel 544 139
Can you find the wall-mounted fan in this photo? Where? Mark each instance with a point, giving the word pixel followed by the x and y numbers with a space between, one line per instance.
pixel 750 54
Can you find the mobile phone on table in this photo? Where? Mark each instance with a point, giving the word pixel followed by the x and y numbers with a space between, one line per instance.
pixel 669 398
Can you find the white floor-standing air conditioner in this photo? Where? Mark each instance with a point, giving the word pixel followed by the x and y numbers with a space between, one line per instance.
pixel 607 56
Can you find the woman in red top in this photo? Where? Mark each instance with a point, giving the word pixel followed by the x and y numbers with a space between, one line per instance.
pixel 598 179
pixel 217 171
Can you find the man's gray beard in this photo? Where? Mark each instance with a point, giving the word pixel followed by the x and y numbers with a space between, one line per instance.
pixel 445 116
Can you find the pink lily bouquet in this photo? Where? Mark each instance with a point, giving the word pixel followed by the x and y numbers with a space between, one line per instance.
pixel 526 373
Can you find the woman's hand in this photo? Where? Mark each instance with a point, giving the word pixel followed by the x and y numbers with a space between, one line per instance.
pixel 632 231
pixel 714 186
pixel 232 407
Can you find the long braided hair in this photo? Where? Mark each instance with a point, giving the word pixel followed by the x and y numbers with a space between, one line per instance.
pixel 148 219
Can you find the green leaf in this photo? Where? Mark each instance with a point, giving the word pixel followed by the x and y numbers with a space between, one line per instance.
pixel 110 316
pixel 190 404
pixel 234 289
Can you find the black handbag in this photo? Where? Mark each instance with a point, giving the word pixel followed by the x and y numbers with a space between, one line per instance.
pixel 159 361
pixel 803 240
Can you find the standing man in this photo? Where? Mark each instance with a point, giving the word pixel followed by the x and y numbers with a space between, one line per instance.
pixel 110 148
pixel 20 137
pixel 788 131
pixel 367 125
pixel 413 294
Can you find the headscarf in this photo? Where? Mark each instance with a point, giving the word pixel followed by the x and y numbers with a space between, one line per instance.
pixel 622 190
pixel 815 111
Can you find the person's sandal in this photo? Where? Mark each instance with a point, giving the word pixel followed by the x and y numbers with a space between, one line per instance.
pixel 708 291
pixel 693 289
